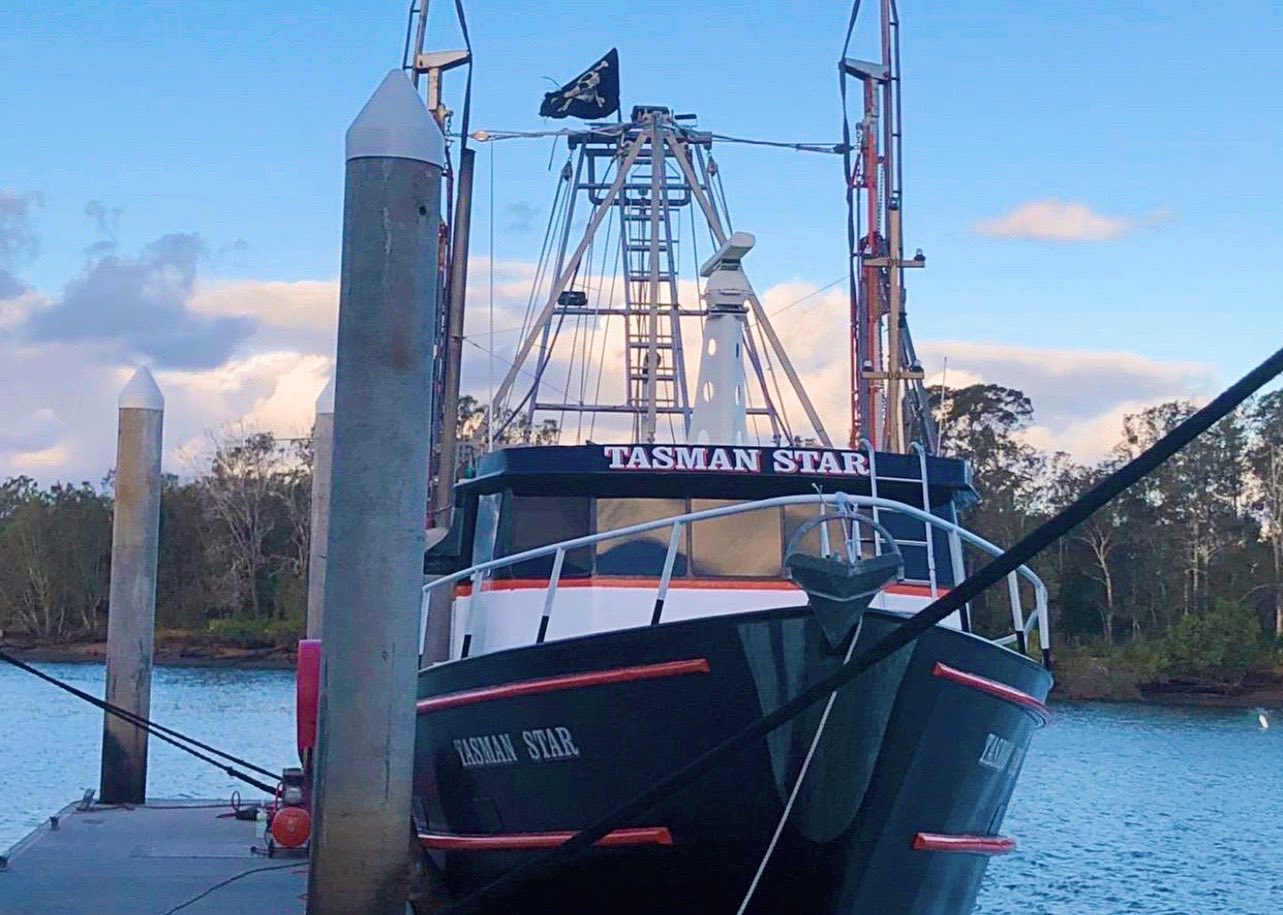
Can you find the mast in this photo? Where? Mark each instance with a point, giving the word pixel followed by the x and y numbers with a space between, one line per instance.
pixel 452 256
pixel 642 177
pixel 888 401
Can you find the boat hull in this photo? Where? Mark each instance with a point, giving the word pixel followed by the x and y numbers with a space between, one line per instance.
pixel 518 749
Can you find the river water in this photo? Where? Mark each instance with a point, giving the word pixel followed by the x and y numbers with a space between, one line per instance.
pixel 1120 808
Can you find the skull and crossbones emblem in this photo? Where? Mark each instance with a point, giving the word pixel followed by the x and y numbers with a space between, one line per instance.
pixel 585 88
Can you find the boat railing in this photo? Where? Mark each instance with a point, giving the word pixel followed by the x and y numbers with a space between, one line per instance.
pixel 843 504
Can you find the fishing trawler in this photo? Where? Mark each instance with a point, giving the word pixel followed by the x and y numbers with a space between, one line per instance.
pixel 599 614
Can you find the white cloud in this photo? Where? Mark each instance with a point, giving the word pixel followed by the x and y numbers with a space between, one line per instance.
pixel 1059 220
pixel 14 311
pixel 300 304
pixel 1079 397
pixel 59 411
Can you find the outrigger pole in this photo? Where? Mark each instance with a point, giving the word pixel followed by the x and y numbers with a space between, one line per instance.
pixel 1022 553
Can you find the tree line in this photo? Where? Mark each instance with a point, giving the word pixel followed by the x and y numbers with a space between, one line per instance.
pixel 234 540
pixel 1192 557
pixel 233 545
pixel 1186 565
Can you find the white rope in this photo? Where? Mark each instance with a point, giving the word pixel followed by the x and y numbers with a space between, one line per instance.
pixel 797 786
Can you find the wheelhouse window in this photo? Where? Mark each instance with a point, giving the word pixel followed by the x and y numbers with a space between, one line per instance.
pixel 641 554
pixel 746 545
pixel 487 528
pixel 535 521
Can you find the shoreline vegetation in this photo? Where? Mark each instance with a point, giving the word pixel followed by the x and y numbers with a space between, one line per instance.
pixel 1171 594
pixel 1080 675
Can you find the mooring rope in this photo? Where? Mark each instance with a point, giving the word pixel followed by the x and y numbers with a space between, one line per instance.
pixel 915 626
pixel 160 731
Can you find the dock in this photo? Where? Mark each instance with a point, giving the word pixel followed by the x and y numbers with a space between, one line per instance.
pixel 153 859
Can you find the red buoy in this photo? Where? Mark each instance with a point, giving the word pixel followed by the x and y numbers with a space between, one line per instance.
pixel 291 826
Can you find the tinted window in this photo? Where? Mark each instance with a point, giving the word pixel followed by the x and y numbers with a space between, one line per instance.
pixel 641 554
pixel 738 546
pixel 487 528
pixel 794 517
pixel 534 521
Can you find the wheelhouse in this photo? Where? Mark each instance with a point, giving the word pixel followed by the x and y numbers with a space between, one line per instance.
pixel 600 529
pixel 528 497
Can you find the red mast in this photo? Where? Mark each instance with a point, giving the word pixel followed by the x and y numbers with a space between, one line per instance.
pixel 883 370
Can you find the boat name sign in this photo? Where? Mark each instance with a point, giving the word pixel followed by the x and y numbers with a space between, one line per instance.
pixel 538 745
pixel 810 461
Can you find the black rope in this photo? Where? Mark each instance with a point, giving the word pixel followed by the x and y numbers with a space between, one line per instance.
pixel 166 734
pixel 232 879
pixel 992 573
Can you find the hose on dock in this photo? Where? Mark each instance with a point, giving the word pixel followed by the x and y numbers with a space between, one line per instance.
pixel 992 573
pixel 159 731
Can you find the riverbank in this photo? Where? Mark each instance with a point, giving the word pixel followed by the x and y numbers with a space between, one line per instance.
pixel 1098 679
pixel 1079 677
pixel 174 648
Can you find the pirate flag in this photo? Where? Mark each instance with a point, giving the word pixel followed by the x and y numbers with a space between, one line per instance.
pixel 590 95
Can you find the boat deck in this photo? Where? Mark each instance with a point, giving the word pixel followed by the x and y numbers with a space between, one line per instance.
pixel 154 859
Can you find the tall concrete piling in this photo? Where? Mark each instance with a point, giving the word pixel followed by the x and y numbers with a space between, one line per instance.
pixel 322 456
pixel 388 301
pixel 131 619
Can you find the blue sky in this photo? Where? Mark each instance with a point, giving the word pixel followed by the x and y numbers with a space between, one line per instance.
pixel 226 120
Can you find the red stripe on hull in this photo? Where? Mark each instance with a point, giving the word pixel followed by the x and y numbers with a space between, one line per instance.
pixel 567 681
pixel 532 841
pixel 993 688
pixel 975 845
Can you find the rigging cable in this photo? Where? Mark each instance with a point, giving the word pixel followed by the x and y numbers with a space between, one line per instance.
pixel 166 734
pixel 904 634
pixel 494 136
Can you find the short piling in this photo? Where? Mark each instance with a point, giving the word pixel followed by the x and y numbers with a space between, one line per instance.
pixel 388 301
pixel 322 453
pixel 131 619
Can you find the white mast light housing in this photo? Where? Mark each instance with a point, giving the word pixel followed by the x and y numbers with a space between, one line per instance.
pixel 720 413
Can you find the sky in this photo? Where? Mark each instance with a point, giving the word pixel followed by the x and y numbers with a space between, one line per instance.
pixel 1095 186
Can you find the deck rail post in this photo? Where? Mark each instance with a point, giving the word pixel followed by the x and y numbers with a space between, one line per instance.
pixel 666 576
pixel 1017 611
pixel 551 595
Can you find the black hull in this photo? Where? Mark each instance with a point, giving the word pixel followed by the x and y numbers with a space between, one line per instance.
pixel 911 747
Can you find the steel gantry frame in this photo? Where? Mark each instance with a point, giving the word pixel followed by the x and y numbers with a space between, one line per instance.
pixel 646 174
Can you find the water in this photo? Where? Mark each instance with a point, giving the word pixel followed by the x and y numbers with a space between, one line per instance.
pixel 1128 808
pixel 1120 808
pixel 50 741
